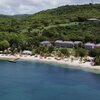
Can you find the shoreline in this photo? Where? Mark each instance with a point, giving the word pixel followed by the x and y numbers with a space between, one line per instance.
pixel 74 63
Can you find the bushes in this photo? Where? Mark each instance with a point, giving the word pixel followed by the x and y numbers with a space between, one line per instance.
pixel 95 52
pixel 65 52
pixel 97 60
pixel 80 52
pixel 4 45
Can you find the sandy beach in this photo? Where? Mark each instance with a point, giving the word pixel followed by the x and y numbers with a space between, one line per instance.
pixel 67 61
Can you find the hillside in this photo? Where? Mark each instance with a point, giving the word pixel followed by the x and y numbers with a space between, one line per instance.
pixel 61 14
pixel 66 23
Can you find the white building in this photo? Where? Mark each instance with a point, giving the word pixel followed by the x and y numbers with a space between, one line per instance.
pixel 89 46
pixel 45 43
pixel 97 45
pixel 26 52
pixel 65 44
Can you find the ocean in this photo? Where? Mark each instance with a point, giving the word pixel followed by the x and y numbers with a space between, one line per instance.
pixel 26 80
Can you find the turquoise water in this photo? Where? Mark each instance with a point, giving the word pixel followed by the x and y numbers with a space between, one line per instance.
pixel 40 81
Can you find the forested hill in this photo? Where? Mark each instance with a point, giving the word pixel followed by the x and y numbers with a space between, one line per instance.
pixel 67 23
pixel 71 11
pixel 56 16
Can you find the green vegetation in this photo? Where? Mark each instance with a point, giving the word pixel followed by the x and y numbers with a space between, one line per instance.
pixel 80 52
pixel 66 23
pixel 97 60
pixel 22 32
pixel 4 45
pixel 95 52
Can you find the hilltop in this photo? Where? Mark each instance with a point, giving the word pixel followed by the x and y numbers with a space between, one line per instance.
pixel 66 23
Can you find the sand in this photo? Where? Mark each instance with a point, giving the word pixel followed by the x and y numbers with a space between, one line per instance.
pixel 67 61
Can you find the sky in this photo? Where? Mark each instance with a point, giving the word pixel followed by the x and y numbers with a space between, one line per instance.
pixel 12 7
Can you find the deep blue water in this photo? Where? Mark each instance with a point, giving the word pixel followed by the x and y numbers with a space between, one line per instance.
pixel 40 81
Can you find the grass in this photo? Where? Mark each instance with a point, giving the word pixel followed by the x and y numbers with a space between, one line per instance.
pixel 63 25
pixel 54 26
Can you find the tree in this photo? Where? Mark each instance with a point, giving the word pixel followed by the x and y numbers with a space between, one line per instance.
pixel 65 52
pixel 4 44
pixel 95 52
pixel 50 49
pixel 82 19
pixel 97 60
pixel 81 52
pixel 42 50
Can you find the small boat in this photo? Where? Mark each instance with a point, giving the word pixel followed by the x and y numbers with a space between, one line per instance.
pixel 13 60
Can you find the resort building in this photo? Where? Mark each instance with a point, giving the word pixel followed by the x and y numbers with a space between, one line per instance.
pixel 45 43
pixel 26 52
pixel 65 44
pixel 93 19
pixel 59 43
pixel 68 44
pixel 89 46
pixel 97 45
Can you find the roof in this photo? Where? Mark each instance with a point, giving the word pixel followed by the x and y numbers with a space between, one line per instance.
pixel 69 42
pixel 89 44
pixel 98 45
pixel 77 42
pixel 58 41
pixel 44 42
pixel 93 19
pixel 64 42
pixel 27 52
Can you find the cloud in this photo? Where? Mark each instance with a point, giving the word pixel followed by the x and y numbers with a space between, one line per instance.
pixel 25 6
pixel 73 2
pixel 12 7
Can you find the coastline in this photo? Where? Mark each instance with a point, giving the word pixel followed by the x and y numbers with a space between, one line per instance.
pixel 74 63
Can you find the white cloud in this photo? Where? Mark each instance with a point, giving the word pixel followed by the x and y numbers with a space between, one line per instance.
pixel 32 6
pixel 25 6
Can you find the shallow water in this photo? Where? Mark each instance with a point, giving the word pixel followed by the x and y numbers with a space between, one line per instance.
pixel 41 81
